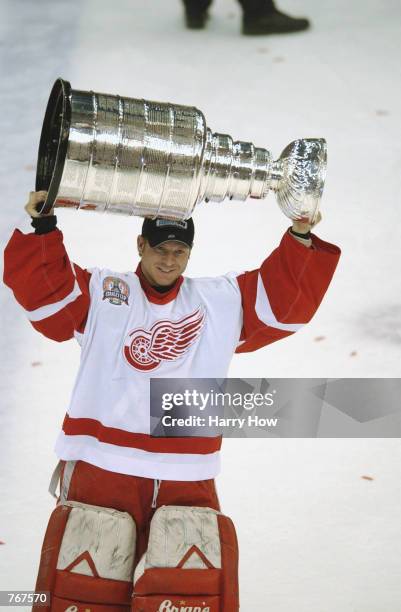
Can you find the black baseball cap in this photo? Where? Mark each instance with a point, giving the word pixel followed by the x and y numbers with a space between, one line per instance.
pixel 161 230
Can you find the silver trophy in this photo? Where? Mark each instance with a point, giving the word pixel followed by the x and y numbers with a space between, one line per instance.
pixel 154 159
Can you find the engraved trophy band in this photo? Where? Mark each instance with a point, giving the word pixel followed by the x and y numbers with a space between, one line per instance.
pixel 154 159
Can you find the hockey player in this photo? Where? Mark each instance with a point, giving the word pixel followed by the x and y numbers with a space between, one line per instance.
pixel 138 515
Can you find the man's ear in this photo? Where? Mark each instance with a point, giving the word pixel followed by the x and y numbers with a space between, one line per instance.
pixel 140 241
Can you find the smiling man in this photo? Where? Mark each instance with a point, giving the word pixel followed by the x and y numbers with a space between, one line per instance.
pixel 118 483
pixel 164 247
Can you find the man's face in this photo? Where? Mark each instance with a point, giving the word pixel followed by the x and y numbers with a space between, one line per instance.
pixel 163 264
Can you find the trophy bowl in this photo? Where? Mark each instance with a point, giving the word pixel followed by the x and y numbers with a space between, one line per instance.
pixel 131 156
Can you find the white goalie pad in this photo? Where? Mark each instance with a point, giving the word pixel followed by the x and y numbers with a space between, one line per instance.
pixel 97 538
pixel 182 536
pixel 87 559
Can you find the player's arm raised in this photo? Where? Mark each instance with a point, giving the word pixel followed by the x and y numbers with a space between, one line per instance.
pixel 53 291
pixel 282 295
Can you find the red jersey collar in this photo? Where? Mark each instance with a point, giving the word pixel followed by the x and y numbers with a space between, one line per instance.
pixel 155 296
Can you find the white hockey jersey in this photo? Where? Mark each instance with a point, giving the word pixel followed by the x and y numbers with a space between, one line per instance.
pixel 129 333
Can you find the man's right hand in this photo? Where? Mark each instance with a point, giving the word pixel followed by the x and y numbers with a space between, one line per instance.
pixel 35 198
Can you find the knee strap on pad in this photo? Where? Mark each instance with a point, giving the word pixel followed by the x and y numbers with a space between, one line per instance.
pixel 191 563
pixel 87 559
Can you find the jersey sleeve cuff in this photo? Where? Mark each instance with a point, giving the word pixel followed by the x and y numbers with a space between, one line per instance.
pixel 44 225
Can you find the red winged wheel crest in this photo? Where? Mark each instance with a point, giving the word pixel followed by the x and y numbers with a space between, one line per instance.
pixel 165 341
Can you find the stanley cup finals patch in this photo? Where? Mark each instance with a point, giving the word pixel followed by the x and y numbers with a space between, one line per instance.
pixel 115 290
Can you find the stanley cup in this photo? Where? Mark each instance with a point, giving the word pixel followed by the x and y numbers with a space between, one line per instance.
pixel 152 159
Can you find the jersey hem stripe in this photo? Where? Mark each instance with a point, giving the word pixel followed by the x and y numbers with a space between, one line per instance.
pixel 73 426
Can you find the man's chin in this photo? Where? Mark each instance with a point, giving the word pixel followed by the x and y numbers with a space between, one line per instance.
pixel 165 280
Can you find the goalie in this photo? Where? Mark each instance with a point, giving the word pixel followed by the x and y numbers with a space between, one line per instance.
pixel 138 522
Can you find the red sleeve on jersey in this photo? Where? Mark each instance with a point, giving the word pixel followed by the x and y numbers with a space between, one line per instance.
pixel 284 294
pixel 53 292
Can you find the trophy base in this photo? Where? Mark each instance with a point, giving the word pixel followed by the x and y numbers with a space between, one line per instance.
pixel 54 143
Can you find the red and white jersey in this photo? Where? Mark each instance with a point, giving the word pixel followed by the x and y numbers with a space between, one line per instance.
pixel 130 333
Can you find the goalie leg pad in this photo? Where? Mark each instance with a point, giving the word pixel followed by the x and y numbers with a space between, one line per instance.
pixel 87 559
pixel 190 565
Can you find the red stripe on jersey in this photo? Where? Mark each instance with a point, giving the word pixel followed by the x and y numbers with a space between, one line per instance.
pixel 111 435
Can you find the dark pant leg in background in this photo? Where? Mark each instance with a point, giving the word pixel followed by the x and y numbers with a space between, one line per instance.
pixel 257 7
pixel 196 13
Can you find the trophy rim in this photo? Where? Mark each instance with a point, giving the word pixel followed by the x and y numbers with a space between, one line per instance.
pixel 49 181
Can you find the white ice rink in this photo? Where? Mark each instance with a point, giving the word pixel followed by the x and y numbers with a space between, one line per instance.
pixel 314 535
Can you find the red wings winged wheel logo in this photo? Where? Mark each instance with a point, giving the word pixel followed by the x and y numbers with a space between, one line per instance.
pixel 165 341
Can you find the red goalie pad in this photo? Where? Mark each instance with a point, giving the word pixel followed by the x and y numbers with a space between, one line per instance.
pixel 87 559
pixel 191 564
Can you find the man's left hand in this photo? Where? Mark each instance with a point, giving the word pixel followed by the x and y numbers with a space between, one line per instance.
pixel 303 228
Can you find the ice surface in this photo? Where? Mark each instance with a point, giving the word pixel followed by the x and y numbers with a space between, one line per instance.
pixel 314 535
